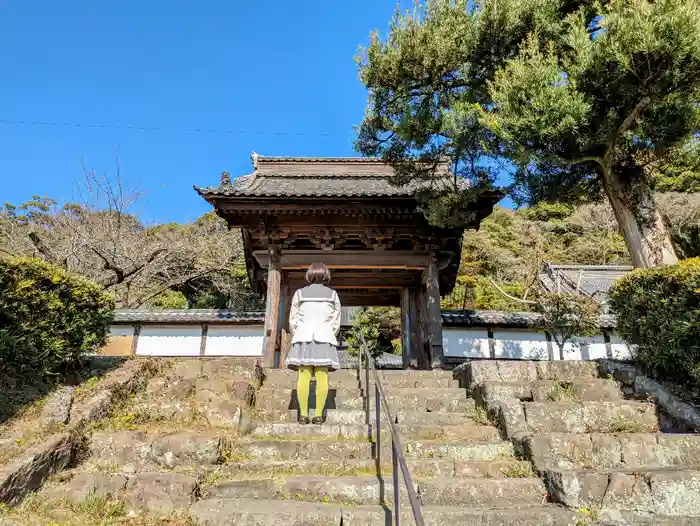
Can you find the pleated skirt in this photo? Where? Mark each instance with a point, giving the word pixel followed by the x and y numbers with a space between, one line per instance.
pixel 314 354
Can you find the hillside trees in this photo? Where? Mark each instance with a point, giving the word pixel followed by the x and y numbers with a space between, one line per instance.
pixel 581 97
pixel 100 237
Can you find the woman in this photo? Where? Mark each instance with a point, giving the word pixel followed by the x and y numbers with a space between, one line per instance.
pixel 314 320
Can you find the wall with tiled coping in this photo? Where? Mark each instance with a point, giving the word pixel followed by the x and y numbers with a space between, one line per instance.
pixel 466 335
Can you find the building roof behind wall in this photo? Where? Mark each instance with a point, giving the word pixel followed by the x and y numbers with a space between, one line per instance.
pixel 592 280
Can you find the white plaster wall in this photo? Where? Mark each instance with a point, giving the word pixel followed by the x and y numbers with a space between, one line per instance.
pixel 584 348
pixel 620 349
pixel 163 340
pixel 520 344
pixel 465 342
pixel 116 331
pixel 239 340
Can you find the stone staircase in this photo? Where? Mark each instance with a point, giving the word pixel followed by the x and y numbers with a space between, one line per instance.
pixel 493 443
pixel 464 472
pixel 598 450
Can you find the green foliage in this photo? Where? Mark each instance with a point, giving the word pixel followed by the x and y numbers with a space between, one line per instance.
pixel 658 310
pixel 545 211
pixel 570 93
pixel 48 318
pixel 511 247
pixel 566 315
pixel 681 170
pixel 170 299
pixel 380 326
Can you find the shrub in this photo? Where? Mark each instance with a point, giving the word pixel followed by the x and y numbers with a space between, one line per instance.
pixel 658 310
pixel 48 318
pixel 566 316
pixel 380 326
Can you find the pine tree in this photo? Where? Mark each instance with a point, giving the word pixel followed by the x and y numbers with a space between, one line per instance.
pixel 581 97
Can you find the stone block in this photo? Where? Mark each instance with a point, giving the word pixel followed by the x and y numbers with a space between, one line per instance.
pixel 591 417
pixel 222 411
pixel 477 372
pixel 574 451
pixel 678 450
pixel 188 369
pixel 509 391
pixel 622 372
pixel 82 485
pixel 455 451
pixel 249 512
pixel 576 489
pixel 567 370
pixel 509 416
pixel 161 492
pixel 481 493
pixel 30 470
pixel 266 488
pixel 241 450
pixel 232 368
pixel 56 409
pixel 588 390
pixel 119 447
pixel 185 449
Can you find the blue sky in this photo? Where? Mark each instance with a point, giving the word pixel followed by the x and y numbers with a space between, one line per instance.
pixel 273 77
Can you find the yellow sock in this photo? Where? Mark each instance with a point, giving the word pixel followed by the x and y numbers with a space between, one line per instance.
pixel 303 387
pixel 321 389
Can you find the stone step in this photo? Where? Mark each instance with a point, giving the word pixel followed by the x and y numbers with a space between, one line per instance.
pixel 454 400
pixel 582 390
pixel 591 417
pixel 254 512
pixel 657 492
pixel 465 433
pixel 458 451
pixel 474 373
pixel 275 449
pixel 390 380
pixel 358 416
pixel 490 493
pixel 603 451
pixel 333 416
pixel 278 449
pixel 418 468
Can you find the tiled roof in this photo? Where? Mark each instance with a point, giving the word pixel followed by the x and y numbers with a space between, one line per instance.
pixel 469 318
pixel 315 177
pixel 593 280
pixel 187 316
pixel 484 318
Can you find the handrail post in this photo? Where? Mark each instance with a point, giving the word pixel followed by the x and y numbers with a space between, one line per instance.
pixel 397 454
pixel 395 476
pixel 378 423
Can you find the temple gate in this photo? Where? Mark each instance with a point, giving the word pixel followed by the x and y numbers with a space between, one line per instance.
pixel 343 212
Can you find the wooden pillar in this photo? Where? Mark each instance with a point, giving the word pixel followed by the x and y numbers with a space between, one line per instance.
pixel 423 340
pixel 405 327
pixel 432 285
pixel 272 307
pixel 285 307
pixel 416 338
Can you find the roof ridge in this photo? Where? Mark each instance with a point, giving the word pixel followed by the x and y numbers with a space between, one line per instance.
pixel 294 159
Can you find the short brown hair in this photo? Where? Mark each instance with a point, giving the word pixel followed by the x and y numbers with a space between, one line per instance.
pixel 318 273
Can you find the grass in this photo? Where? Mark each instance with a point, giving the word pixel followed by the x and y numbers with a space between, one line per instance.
pixel 520 470
pixel 479 416
pixel 623 424
pixel 564 392
pixel 587 516
pixel 95 509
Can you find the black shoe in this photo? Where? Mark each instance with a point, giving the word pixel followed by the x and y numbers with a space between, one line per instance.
pixel 304 420
pixel 318 420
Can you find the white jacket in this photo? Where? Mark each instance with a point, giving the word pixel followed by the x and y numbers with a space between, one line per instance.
pixel 315 315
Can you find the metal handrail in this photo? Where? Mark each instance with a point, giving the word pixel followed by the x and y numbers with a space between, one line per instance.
pixel 397 457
